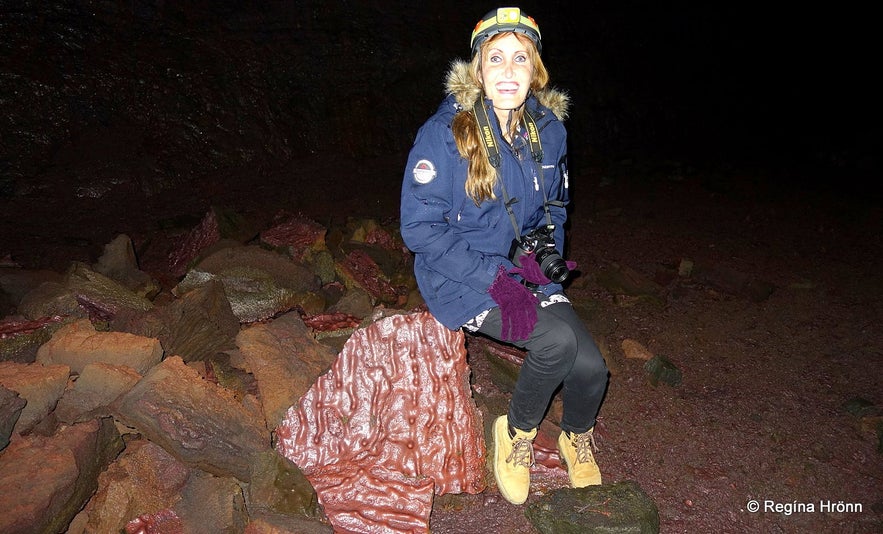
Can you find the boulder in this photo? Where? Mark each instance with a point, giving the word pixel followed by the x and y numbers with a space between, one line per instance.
pixel 50 299
pixel 391 423
pixel 629 286
pixel 635 350
pixel 47 480
pixel 258 283
pixel 227 369
pixel 100 296
pixel 212 504
pixel 661 369
pixel 356 302
pixel 278 486
pixel 144 479
pixel 285 360
pixel 321 262
pixel 78 344
pixel 11 405
pixel 299 235
pixel 40 385
pixel 147 486
pixel 198 422
pixel 333 329
pixel 359 270
pixel 733 282
pixel 187 247
pixel 20 339
pixel 622 507
pixel 94 391
pixel 195 327
pixel 118 262
pixel 16 282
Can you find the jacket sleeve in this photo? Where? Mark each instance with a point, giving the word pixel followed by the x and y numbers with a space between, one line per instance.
pixel 427 205
pixel 559 188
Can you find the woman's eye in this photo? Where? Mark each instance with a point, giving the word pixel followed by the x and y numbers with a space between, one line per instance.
pixel 521 59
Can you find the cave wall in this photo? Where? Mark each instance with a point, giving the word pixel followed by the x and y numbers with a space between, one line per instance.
pixel 160 92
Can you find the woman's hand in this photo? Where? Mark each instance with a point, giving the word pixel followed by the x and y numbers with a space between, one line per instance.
pixel 518 311
pixel 530 270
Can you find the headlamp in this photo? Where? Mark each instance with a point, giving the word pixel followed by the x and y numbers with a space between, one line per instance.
pixel 502 20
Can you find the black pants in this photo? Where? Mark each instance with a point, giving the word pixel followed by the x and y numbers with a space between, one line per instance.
pixel 560 352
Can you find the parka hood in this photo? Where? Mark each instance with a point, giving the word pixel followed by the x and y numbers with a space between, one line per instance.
pixel 467 92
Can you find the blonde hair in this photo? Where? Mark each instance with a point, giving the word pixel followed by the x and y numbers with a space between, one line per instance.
pixel 481 175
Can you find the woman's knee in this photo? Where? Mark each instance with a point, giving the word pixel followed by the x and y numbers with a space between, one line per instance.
pixel 554 339
pixel 590 363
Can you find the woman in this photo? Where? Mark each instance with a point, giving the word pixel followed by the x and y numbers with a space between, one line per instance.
pixel 483 210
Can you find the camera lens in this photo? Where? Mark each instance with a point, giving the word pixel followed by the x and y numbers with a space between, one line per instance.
pixel 552 265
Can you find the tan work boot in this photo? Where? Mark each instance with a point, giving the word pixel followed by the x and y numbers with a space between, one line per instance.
pixel 576 454
pixel 513 458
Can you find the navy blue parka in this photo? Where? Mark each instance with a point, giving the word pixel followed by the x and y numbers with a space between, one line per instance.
pixel 458 246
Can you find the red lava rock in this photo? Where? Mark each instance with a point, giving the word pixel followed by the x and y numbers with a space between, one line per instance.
pixel 327 322
pixel 206 233
pixel 295 231
pixel 509 353
pixel 374 500
pixel 390 424
pixel 365 272
pixel 379 236
pixel 12 327
pixel 162 522
pixel 545 449
pixel 97 310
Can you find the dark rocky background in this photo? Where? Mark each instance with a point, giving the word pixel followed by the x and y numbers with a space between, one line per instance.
pixel 160 108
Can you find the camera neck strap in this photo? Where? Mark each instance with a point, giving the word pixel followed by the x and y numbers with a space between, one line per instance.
pixel 492 149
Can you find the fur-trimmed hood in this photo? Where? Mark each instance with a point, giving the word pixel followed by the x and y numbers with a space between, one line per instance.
pixel 467 92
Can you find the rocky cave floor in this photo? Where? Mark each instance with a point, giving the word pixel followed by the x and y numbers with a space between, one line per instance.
pixel 780 399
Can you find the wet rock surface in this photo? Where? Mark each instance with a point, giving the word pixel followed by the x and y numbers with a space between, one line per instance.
pixel 285 362
pixel 197 421
pixel 40 386
pixel 60 478
pixel 391 424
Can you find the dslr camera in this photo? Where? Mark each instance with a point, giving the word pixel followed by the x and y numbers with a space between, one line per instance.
pixel 541 243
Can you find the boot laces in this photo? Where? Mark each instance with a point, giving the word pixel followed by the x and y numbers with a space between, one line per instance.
pixel 522 453
pixel 584 444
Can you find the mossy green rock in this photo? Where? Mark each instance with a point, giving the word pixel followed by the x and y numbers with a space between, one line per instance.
pixel 504 373
pixel 23 347
pixel 102 292
pixel 860 407
pixel 661 369
pixel 278 485
pixel 622 507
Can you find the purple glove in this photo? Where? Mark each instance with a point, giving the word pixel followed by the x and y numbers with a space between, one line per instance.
pixel 530 270
pixel 518 311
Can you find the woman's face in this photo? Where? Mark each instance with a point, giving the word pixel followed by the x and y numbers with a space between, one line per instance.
pixel 506 72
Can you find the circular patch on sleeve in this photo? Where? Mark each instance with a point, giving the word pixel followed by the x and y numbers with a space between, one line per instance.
pixel 424 171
